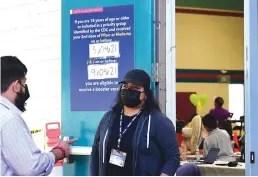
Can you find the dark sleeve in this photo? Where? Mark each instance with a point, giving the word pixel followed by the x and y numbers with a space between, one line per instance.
pixel 201 145
pixel 94 158
pixel 166 138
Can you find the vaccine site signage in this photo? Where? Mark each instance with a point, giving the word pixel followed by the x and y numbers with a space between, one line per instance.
pixel 101 52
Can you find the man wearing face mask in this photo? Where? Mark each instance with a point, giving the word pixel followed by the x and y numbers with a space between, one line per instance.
pixel 135 138
pixel 19 154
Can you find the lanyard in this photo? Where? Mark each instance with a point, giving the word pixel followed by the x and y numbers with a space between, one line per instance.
pixel 120 129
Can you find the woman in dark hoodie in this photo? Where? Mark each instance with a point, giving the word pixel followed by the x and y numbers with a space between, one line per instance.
pixel 135 138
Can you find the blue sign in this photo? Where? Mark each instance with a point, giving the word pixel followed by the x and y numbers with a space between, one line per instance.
pixel 102 51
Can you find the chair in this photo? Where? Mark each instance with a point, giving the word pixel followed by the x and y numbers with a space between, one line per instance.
pixel 236 142
pixel 179 138
pixel 237 129
pixel 228 127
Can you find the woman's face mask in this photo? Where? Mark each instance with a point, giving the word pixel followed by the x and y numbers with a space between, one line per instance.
pixel 21 98
pixel 130 98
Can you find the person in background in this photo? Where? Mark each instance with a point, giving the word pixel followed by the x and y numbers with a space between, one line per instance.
pixel 217 138
pixel 179 124
pixel 191 118
pixel 135 138
pixel 192 136
pixel 219 112
pixel 19 154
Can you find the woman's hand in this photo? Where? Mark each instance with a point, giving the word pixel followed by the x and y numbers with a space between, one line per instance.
pixel 188 153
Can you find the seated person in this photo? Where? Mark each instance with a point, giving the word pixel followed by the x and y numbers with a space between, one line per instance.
pixel 191 118
pixel 179 126
pixel 192 136
pixel 217 138
pixel 219 112
pixel 227 125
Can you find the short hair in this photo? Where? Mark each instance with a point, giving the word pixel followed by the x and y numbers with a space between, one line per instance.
pixel 219 101
pixel 209 121
pixel 12 69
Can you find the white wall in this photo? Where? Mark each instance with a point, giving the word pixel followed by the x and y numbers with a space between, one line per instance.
pixel 31 30
pixel 236 100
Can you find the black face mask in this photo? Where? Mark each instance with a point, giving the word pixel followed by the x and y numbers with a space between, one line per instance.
pixel 22 97
pixel 130 98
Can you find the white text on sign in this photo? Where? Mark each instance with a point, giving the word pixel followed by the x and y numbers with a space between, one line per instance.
pixel 104 71
pixel 103 50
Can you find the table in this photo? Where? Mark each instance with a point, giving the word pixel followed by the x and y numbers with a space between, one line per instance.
pixel 193 157
pixel 215 170
pixel 241 122
pixel 80 150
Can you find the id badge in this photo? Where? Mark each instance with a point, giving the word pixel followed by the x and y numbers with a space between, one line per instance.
pixel 117 158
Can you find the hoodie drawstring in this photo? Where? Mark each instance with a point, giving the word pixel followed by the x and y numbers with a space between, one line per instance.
pixel 104 144
pixel 148 133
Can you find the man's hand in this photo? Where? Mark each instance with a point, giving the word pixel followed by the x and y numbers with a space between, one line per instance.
pixel 64 145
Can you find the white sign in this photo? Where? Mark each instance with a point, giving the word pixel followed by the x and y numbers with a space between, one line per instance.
pixel 104 71
pixel 103 50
